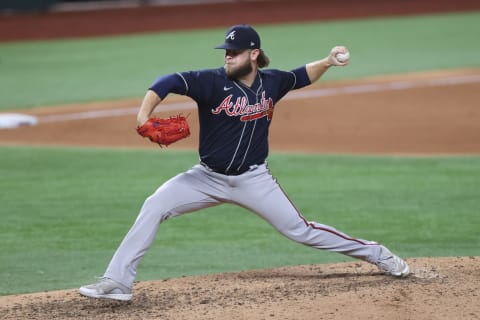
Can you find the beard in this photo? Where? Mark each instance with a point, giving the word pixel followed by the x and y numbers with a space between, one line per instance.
pixel 239 72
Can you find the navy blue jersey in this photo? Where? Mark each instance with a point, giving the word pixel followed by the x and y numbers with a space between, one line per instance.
pixel 234 119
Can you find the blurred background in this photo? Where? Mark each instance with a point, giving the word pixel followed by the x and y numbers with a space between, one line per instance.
pixel 65 5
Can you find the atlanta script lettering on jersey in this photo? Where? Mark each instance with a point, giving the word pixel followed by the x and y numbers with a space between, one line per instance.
pixel 247 112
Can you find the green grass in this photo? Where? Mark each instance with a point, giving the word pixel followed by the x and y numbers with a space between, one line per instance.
pixel 64 212
pixel 56 72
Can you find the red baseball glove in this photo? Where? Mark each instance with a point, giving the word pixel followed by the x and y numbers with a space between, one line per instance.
pixel 165 131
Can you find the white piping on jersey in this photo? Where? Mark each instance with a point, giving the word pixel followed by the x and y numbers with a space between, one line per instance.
pixel 260 87
pixel 295 80
pixel 248 147
pixel 245 124
pixel 185 81
pixel 243 131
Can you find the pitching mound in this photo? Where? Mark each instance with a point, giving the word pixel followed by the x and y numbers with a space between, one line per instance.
pixel 439 288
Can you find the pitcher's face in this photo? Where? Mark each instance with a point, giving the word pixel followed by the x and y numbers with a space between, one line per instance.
pixel 238 63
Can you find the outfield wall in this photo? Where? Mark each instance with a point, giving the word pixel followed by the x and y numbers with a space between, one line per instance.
pixel 74 24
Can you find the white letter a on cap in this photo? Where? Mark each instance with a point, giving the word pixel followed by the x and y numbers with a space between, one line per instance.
pixel 231 35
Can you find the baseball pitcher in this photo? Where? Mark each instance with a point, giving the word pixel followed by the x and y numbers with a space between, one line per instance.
pixel 235 104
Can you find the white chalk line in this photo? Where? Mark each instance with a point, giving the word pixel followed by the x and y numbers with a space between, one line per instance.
pixel 294 95
pixel 388 86
pixel 112 112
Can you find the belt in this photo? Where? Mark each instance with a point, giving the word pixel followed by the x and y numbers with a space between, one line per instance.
pixel 230 173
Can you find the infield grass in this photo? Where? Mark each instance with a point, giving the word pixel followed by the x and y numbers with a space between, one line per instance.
pixel 64 212
pixel 39 73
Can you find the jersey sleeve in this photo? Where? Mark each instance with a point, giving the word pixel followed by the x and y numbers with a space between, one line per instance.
pixel 301 77
pixel 291 80
pixel 172 83
pixel 197 85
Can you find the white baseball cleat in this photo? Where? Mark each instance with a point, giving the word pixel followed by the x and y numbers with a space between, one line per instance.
pixel 107 288
pixel 392 264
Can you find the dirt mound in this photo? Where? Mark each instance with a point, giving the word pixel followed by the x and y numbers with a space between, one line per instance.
pixel 439 288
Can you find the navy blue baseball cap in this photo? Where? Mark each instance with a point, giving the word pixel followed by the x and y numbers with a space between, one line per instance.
pixel 241 37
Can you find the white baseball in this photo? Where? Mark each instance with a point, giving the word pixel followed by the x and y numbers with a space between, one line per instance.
pixel 342 57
